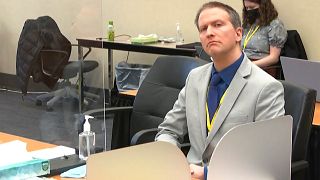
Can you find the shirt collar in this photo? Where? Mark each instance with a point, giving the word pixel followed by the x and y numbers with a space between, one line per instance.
pixel 228 73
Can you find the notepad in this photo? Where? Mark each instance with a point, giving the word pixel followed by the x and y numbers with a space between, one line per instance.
pixel 51 153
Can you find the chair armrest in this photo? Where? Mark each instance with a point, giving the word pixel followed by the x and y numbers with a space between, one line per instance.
pixel 298 166
pixel 185 147
pixel 148 135
pixel 99 112
pixel 143 136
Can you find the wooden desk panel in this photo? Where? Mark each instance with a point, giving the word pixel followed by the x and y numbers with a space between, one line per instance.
pixel 31 144
pixel 316 116
pixel 129 92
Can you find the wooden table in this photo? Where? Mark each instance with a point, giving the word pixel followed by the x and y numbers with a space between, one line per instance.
pixel 316 116
pixel 129 92
pixel 32 145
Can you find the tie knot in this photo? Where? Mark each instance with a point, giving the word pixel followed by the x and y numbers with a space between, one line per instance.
pixel 215 79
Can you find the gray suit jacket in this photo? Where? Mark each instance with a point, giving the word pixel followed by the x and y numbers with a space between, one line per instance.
pixel 252 95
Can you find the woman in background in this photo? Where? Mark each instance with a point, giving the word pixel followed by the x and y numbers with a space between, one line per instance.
pixel 263 33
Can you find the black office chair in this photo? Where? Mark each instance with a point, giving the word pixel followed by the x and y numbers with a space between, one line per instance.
pixel 202 54
pixel 300 104
pixel 156 96
pixel 69 71
pixel 43 52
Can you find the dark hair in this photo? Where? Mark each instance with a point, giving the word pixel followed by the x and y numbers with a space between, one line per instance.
pixel 255 1
pixel 267 13
pixel 234 16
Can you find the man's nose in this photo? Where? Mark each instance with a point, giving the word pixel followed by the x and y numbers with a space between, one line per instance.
pixel 210 31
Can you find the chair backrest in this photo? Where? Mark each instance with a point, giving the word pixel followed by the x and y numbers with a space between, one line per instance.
pixel 202 54
pixel 159 91
pixel 300 104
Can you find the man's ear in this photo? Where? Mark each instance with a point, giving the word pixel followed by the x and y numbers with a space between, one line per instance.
pixel 239 34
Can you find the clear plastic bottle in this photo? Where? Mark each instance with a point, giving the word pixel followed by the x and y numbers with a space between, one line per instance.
pixel 179 37
pixel 86 140
pixel 110 31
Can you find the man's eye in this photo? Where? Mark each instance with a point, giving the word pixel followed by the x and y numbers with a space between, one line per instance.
pixel 202 29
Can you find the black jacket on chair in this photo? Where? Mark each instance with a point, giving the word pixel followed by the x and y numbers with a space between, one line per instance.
pixel 294 46
pixel 36 35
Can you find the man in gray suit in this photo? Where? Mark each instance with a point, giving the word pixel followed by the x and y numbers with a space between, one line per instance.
pixel 220 95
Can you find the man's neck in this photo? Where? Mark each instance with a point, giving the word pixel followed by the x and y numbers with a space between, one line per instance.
pixel 224 60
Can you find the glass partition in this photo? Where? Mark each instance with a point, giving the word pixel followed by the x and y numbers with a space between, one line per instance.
pixel 40 72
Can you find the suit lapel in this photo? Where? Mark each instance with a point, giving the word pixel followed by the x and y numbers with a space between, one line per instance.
pixel 237 84
pixel 203 81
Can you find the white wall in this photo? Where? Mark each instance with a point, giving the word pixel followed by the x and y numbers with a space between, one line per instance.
pixel 88 18
pixel 303 16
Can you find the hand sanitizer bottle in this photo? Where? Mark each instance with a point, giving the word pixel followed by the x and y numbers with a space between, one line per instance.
pixel 86 140
pixel 179 37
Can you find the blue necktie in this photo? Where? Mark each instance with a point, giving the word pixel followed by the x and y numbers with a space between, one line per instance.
pixel 213 97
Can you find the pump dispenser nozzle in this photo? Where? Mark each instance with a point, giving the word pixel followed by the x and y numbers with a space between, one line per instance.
pixel 86 125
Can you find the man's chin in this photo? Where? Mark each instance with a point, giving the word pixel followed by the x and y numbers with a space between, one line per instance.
pixel 213 52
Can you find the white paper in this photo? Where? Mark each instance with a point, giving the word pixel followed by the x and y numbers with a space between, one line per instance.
pixel 51 153
pixel 13 152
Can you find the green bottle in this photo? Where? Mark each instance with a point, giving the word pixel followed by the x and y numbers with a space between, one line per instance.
pixel 110 31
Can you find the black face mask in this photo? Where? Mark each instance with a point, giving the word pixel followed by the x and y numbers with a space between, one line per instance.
pixel 252 15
